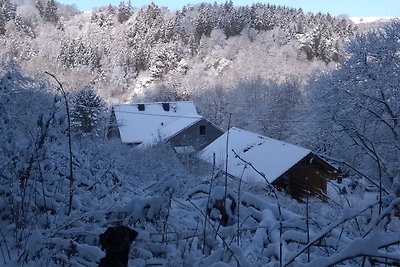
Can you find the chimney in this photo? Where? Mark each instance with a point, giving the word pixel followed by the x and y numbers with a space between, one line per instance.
pixel 165 106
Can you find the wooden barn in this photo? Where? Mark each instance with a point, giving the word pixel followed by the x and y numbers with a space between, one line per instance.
pixel 295 169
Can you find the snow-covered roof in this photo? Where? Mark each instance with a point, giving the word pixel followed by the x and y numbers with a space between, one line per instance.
pixel 269 156
pixel 148 123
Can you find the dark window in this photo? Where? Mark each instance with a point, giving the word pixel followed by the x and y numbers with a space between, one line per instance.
pixel 140 107
pixel 202 130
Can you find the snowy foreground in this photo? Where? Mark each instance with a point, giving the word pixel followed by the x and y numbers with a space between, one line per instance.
pixel 179 214
pixel 54 204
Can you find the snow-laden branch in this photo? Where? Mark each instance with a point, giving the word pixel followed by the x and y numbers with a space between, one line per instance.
pixel 326 231
pixel 369 246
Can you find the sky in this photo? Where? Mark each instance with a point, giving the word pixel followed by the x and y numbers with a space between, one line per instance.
pixel 351 8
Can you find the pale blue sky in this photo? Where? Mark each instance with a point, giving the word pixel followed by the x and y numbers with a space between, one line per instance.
pixel 353 8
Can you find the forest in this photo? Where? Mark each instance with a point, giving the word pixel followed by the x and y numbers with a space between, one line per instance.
pixel 314 80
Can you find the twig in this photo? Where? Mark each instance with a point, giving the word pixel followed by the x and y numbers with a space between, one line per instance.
pixel 360 173
pixel 277 202
pixel 223 240
pixel 5 244
pixel 385 213
pixel 238 205
pixel 208 203
pixel 227 160
pixel 324 233
pixel 71 174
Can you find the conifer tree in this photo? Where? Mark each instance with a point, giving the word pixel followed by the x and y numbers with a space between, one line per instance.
pixel 49 11
pixel 86 113
pixel 7 13
pixel 124 12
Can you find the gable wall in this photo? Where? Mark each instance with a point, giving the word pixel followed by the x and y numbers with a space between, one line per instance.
pixel 306 178
pixel 192 137
pixel 307 175
pixel 113 130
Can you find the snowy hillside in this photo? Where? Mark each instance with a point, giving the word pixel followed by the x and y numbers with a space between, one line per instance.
pixel 127 53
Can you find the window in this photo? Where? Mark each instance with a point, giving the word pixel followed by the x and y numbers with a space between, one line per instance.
pixel 202 130
pixel 141 107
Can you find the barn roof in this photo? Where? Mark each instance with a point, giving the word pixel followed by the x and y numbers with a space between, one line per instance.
pixel 269 156
pixel 148 123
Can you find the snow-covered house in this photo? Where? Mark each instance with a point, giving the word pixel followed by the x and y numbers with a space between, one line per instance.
pixel 177 123
pixel 295 169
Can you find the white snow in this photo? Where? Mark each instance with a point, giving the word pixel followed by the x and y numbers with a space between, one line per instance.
pixel 359 20
pixel 270 157
pixel 154 123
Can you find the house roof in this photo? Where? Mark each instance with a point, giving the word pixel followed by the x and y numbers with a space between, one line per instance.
pixel 269 156
pixel 148 123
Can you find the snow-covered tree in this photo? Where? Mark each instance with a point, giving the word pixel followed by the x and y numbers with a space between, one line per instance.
pixel 7 13
pixel 124 11
pixel 48 11
pixel 104 17
pixel 7 9
pixel 25 25
pixel 51 11
pixel 358 104
pixel 205 22
pixel 87 111
pixel 75 52
pixel 231 20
